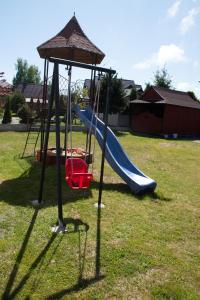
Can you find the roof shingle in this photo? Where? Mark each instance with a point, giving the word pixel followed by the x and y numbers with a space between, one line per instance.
pixel 172 97
pixel 71 43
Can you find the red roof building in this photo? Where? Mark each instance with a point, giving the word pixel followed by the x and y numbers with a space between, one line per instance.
pixel 5 88
pixel 163 111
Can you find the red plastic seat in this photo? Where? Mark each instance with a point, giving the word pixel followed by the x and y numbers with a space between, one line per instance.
pixel 77 176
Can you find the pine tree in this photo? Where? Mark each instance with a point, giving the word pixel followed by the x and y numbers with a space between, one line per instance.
pixel 7 118
pixel 118 102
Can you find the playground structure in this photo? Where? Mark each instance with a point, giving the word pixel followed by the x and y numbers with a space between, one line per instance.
pixel 72 49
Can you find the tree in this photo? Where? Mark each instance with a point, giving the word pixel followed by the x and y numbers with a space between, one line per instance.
pixel 17 100
pixel 25 113
pixel 33 75
pixel 162 79
pixel 193 96
pixel 78 92
pixel 118 102
pixel 7 118
pixel 147 86
pixel 25 73
pixel 133 94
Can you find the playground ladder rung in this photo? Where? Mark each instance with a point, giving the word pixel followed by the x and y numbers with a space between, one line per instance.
pixel 32 138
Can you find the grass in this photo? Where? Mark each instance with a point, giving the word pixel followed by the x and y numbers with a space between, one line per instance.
pixel 149 245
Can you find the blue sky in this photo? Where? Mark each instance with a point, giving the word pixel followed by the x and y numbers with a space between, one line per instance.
pixel 138 37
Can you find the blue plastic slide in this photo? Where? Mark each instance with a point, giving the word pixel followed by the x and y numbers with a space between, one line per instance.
pixel 115 155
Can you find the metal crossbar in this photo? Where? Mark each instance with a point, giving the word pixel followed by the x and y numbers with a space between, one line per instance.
pixel 81 65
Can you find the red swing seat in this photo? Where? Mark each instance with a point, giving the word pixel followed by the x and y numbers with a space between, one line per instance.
pixel 77 176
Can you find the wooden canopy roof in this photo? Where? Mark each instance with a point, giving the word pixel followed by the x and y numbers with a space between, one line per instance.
pixel 71 43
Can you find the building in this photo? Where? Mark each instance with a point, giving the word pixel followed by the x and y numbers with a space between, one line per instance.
pixel 165 112
pixel 33 94
pixel 5 90
pixel 127 85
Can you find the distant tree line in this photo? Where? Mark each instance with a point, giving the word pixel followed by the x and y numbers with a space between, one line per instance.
pixel 15 103
pixel 119 103
pixel 26 73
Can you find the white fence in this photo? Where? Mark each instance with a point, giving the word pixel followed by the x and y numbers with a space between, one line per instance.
pixel 117 120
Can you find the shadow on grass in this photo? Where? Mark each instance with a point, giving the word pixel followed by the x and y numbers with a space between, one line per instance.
pixel 25 188
pixel 162 137
pixel 83 283
pixel 124 188
pixel 80 285
pixel 154 196
pixel 74 226
pixel 13 274
pixel 22 190
pixel 120 133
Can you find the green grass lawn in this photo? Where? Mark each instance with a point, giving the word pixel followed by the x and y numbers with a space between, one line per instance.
pixel 149 246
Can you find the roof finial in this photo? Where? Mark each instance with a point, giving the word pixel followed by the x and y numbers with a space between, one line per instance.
pixel 74 13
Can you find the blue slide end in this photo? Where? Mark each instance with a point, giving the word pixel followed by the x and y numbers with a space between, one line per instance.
pixel 138 182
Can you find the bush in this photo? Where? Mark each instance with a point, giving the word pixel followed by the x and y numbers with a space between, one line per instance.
pixel 25 114
pixel 17 101
pixel 7 118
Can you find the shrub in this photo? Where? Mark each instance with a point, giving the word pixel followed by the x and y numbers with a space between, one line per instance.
pixel 7 118
pixel 24 113
pixel 17 101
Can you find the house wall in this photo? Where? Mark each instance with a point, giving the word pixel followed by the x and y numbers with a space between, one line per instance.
pixel 181 120
pixel 147 118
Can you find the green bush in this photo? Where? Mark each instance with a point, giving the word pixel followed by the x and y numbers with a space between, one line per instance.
pixel 25 114
pixel 17 101
pixel 7 118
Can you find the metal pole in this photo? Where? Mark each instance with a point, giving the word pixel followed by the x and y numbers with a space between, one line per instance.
pixel 46 90
pixel 98 244
pixel 67 111
pixel 92 103
pixel 58 158
pixel 43 153
pixel 41 116
pixel 104 140
pixel 45 95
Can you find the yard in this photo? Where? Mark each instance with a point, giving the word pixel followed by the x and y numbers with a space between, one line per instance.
pixel 150 246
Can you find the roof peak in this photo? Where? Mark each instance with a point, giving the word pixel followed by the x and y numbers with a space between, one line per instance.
pixel 169 90
pixel 71 43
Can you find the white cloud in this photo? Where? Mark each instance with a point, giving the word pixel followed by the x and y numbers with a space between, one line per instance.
pixel 183 86
pixel 196 64
pixel 187 86
pixel 166 54
pixel 189 20
pixel 173 9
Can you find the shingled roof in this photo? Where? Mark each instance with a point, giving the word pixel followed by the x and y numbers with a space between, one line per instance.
pixel 126 84
pixel 172 97
pixel 34 91
pixel 71 43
